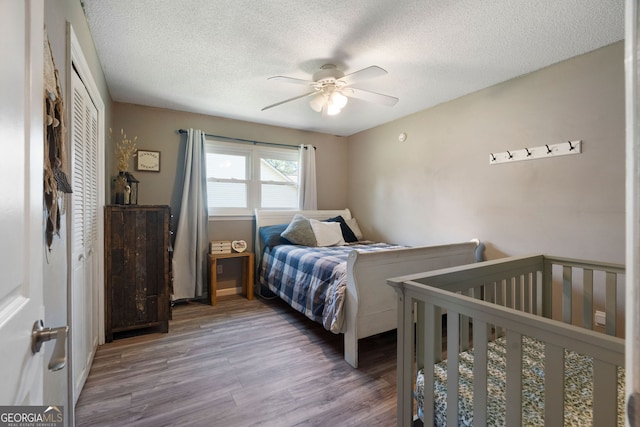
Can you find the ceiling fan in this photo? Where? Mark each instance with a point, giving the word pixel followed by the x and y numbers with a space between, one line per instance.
pixel 331 89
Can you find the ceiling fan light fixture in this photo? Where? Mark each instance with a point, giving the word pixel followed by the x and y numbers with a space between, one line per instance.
pixel 317 102
pixel 338 99
pixel 332 101
pixel 332 109
pixel 330 91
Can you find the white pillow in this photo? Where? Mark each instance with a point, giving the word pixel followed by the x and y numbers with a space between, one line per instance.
pixel 353 225
pixel 327 233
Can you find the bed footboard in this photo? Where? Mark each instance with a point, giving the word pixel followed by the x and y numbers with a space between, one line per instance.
pixel 510 300
pixel 370 305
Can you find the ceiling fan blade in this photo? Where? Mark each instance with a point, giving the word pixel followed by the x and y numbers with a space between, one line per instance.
pixel 288 100
pixel 291 80
pixel 367 95
pixel 365 73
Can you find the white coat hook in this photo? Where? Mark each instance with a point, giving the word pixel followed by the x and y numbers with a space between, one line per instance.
pixel 543 151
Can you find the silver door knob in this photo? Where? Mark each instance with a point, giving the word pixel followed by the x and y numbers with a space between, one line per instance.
pixel 40 334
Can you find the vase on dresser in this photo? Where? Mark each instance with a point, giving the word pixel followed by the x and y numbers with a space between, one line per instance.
pixel 121 184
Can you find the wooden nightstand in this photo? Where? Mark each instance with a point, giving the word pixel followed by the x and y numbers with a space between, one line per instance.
pixel 247 273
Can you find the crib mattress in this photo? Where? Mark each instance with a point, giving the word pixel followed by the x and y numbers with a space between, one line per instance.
pixel 578 387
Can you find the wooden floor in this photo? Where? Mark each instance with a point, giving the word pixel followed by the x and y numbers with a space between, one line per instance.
pixel 240 363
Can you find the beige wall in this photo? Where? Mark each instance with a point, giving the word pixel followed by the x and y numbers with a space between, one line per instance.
pixel 156 130
pixel 438 186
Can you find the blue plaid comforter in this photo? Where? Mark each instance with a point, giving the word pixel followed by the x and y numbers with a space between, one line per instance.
pixel 313 280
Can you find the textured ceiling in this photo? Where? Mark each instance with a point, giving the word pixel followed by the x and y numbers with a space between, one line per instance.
pixel 214 56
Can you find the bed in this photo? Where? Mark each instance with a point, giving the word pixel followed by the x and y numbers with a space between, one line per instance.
pixel 363 305
pixel 505 353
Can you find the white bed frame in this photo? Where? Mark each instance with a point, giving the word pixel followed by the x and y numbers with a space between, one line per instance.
pixel 370 305
pixel 511 297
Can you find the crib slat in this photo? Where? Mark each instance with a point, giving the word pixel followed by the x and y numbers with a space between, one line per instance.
pixel 611 303
pixel 567 285
pixel 431 330
pixel 420 331
pixel 405 360
pixel 526 292
pixel 553 384
pixel 488 292
pixel 517 287
pixel 587 300
pixel 480 339
pixel 464 327
pixel 534 293
pixel 547 290
pixel 499 301
pixel 489 295
pixel 605 394
pixel 514 379
pixel 437 340
pixel 453 350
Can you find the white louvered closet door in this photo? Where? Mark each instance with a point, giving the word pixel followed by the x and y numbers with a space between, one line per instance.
pixel 84 232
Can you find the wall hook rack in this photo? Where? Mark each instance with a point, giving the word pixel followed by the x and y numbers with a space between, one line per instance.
pixel 543 151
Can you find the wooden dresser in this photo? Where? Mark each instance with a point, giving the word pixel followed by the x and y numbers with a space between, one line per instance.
pixel 137 268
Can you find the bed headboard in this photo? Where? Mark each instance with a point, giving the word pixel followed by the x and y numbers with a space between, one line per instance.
pixel 273 217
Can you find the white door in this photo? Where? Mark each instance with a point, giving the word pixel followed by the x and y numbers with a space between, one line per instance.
pixel 632 94
pixel 21 207
pixel 84 232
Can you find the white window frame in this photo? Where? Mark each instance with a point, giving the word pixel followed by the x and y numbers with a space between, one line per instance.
pixel 253 155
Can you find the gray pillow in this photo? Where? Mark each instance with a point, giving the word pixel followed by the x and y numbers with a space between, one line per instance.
pixel 299 232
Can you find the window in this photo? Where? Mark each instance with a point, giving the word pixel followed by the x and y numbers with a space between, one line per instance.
pixel 241 178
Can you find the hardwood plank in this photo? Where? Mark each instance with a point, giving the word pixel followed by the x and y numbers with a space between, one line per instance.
pixel 241 362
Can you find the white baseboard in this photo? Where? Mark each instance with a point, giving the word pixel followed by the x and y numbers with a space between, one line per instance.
pixel 228 291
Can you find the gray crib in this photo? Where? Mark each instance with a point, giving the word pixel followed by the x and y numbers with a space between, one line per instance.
pixel 521 345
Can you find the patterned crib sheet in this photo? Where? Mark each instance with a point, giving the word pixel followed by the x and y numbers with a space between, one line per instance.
pixel 578 387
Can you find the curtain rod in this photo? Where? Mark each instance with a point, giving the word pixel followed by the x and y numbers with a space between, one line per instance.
pixel 247 141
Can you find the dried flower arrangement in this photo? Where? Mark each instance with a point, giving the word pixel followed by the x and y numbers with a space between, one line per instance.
pixel 125 148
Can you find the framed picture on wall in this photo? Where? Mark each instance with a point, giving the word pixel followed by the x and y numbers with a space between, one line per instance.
pixel 148 161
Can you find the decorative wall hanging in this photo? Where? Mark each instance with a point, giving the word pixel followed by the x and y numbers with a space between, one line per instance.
pixel 148 161
pixel 543 151
pixel 55 175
